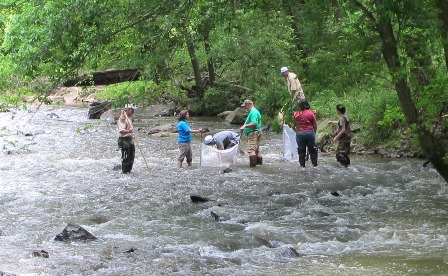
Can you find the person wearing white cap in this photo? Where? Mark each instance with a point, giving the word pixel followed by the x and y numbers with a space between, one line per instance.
pixel 126 138
pixel 294 87
pixel 223 140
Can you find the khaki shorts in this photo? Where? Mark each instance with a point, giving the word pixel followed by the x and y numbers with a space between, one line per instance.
pixel 253 141
pixel 185 151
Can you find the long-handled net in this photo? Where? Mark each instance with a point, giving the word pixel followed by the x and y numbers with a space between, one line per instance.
pixel 212 157
pixel 289 144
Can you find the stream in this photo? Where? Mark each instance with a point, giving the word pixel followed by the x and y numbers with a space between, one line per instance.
pixel 378 217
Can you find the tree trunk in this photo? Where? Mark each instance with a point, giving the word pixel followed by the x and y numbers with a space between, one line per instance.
pixel 428 142
pixel 105 78
pixel 442 5
pixel 210 62
pixel 291 9
pixel 194 62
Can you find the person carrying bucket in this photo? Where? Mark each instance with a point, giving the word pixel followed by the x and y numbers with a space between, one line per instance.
pixel 252 128
pixel 126 138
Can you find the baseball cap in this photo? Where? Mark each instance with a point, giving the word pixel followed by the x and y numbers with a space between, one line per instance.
pixel 130 106
pixel 247 102
pixel 283 70
pixel 208 139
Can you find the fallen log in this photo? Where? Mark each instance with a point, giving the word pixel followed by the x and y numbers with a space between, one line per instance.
pixel 105 78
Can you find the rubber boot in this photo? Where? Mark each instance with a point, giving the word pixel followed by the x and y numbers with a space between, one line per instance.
pixel 259 160
pixel 313 157
pixel 253 161
pixel 302 157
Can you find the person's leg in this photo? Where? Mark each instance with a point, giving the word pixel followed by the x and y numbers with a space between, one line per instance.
pixel 131 156
pixel 311 145
pixel 125 163
pixel 342 153
pixel 189 155
pixel 252 148
pixel 258 153
pixel 182 155
pixel 301 148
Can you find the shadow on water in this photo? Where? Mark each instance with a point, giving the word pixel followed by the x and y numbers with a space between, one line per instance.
pixel 378 217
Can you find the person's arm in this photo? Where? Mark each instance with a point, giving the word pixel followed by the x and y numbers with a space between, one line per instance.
pixel 248 125
pixel 199 130
pixel 314 122
pixel 340 133
pixel 122 127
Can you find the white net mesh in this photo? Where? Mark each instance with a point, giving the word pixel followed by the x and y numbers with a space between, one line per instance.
pixel 212 157
pixel 289 144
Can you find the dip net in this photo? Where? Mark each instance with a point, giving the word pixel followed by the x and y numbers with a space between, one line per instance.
pixel 289 144
pixel 212 157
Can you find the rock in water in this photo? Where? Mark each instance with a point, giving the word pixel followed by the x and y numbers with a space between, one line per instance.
pixel 227 170
pixel 334 193
pixel 74 232
pixel 290 253
pixel 215 216
pixel 198 199
pixel 41 253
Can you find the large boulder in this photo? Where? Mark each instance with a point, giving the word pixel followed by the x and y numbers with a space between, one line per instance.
pixel 98 108
pixel 167 128
pixel 237 117
pixel 74 232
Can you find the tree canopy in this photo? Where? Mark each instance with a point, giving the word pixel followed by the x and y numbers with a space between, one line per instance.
pixel 386 60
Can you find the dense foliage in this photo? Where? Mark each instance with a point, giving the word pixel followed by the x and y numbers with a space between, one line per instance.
pixel 385 60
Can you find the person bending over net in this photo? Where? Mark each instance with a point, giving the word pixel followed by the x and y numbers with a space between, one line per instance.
pixel 223 140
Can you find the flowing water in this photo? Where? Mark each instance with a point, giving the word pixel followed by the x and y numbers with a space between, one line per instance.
pixel 390 217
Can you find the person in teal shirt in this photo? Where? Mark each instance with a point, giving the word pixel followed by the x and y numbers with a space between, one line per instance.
pixel 252 128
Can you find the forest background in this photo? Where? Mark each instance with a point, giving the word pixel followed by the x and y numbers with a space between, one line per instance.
pixel 385 60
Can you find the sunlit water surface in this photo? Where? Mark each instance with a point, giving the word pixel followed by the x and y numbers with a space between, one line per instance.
pixel 390 218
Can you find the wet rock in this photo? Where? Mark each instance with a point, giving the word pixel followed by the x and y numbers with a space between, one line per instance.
pixel 117 167
pixel 199 199
pixel 334 193
pixel 130 250
pixel 52 115
pixel 7 274
pixel 74 232
pixel 290 253
pixel 227 170
pixel 215 216
pixel 98 108
pixel 40 253
pixel 238 116
pixel 262 242
pixel 167 128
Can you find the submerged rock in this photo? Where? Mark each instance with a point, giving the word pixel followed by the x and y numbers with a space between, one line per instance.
pixel 215 216
pixel 41 253
pixel 290 253
pixel 74 232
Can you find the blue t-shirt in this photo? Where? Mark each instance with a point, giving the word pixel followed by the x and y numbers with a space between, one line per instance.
pixel 183 129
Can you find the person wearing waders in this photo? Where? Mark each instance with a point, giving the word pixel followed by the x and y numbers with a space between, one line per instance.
pixel 294 87
pixel 252 128
pixel 305 125
pixel 343 136
pixel 126 138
